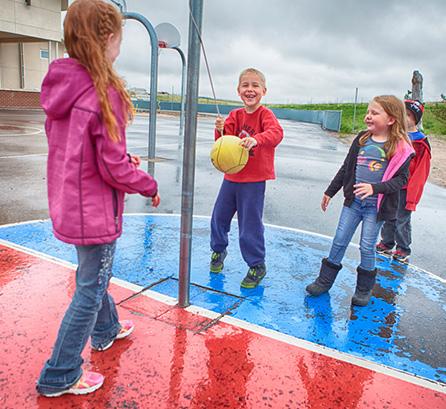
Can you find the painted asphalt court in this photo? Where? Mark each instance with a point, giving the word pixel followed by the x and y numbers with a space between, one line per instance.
pixel 402 328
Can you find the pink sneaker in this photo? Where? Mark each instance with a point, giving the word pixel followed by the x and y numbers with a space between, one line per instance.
pixel 87 383
pixel 127 328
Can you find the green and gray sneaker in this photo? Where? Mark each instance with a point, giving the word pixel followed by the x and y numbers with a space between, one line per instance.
pixel 217 259
pixel 254 276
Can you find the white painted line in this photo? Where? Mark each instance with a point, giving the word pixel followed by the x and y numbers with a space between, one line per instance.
pixel 20 223
pixel 35 131
pixel 288 339
pixel 275 226
pixel 35 253
pixel 434 276
pixel 333 353
pixel 23 156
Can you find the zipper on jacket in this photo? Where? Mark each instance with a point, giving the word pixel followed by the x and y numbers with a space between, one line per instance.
pixel 115 209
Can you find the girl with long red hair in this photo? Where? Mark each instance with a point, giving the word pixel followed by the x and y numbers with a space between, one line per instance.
pixel 88 173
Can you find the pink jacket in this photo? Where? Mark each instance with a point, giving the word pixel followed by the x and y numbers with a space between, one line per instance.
pixel 87 173
pixel 403 152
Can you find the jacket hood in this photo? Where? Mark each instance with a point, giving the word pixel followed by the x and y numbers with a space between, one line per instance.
pixel 66 81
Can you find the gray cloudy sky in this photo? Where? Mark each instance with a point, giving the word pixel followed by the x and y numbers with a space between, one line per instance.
pixel 309 50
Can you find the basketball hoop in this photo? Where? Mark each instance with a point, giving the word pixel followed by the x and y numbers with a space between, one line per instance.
pixel 168 35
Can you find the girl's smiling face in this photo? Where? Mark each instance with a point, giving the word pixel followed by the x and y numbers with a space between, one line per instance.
pixel 377 120
pixel 251 89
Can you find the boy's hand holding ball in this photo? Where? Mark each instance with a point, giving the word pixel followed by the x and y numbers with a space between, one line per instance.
pixel 248 142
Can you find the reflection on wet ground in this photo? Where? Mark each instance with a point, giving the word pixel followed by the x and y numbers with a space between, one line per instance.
pixel 403 327
pixel 170 362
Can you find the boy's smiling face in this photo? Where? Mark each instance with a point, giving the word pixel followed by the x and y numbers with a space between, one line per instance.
pixel 251 89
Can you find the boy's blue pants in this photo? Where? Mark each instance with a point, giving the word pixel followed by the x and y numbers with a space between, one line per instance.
pixel 247 200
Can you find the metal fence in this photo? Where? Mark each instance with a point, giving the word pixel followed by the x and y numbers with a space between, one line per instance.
pixel 330 120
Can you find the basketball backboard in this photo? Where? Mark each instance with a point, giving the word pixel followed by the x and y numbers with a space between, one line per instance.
pixel 168 35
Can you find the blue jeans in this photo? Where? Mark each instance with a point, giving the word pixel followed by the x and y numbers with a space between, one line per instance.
pixel 92 312
pixel 348 222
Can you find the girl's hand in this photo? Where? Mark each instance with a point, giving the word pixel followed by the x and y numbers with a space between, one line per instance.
pixel 363 190
pixel 248 142
pixel 156 200
pixel 325 202
pixel 220 124
pixel 136 160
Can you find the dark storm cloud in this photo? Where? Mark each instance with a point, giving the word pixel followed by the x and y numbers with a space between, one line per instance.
pixel 317 50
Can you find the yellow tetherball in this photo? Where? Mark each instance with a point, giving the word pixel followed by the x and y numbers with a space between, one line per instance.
pixel 228 156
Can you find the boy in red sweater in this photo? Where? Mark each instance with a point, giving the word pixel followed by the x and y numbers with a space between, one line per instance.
pixel 399 231
pixel 244 192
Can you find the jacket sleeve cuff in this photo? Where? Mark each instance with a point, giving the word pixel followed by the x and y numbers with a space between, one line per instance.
pixel 411 206
pixel 377 188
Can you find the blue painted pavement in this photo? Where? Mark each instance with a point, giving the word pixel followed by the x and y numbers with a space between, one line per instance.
pixel 403 327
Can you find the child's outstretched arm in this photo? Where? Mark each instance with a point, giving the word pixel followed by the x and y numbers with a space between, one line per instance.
pixel 325 202
pixel 338 181
pixel 116 169
pixel 113 162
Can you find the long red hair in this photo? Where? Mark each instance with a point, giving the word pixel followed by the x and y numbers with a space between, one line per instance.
pixel 87 28
pixel 395 108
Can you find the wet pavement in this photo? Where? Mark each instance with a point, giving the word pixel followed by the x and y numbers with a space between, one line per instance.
pixel 182 358
pixel 269 347
pixel 306 161
pixel 403 327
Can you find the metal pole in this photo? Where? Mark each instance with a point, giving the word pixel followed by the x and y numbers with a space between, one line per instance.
pixel 183 99
pixel 182 112
pixel 153 87
pixel 187 197
pixel 354 109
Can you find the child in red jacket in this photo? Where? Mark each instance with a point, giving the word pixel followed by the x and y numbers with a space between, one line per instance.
pixel 399 231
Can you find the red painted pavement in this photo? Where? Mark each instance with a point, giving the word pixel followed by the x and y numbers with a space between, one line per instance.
pixel 164 364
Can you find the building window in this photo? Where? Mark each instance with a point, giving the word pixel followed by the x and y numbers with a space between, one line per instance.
pixel 44 55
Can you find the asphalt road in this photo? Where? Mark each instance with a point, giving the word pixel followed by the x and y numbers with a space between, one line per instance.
pixel 306 161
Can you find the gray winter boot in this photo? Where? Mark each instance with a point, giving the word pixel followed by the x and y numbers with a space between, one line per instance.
pixel 364 286
pixel 327 276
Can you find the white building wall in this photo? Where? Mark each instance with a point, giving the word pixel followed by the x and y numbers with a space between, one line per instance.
pixel 9 66
pixel 39 20
pixel 29 24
